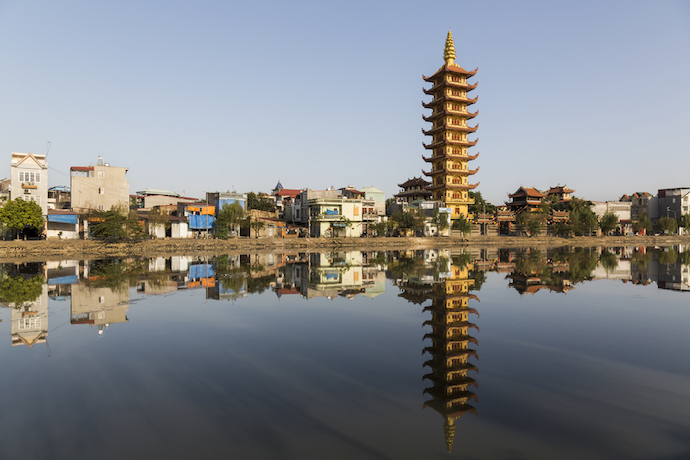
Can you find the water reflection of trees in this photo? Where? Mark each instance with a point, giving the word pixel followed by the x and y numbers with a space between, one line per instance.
pixel 18 289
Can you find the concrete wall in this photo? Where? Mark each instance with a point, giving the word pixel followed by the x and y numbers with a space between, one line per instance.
pixel 103 188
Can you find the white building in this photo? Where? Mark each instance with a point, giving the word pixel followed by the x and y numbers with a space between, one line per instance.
pixel 29 179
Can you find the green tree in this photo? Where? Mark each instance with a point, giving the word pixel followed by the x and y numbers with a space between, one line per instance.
pixel 582 219
pixel 440 220
pixel 564 229
pixel 257 225
pixel 666 224
pixel 480 205
pixel 608 222
pixel 530 222
pixel 230 216
pixel 260 202
pixel 108 224
pixel 462 225
pixel 19 215
pixel 684 221
pixel 643 223
pixel 379 228
pixel 404 221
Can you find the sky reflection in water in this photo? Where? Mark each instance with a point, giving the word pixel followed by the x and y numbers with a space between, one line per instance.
pixel 602 371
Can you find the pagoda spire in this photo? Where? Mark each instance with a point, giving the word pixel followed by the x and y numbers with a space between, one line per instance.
pixel 449 52
pixel 449 432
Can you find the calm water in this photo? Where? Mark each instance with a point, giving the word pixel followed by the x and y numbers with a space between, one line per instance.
pixel 493 355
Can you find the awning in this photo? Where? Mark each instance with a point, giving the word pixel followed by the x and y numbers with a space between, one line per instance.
pixel 64 218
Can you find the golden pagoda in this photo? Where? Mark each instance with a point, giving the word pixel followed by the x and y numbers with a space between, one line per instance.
pixel 450 350
pixel 449 143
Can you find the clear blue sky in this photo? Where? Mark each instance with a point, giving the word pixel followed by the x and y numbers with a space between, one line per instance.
pixel 222 95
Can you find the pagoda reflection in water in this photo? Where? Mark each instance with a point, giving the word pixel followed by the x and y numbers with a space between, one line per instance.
pixel 449 363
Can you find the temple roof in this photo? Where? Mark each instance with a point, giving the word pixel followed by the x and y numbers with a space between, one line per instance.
pixel 413 182
pixel 528 191
pixel 559 189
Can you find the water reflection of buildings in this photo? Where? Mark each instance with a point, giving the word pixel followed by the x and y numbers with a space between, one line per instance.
pixel 445 280
pixel 30 320
pixel 331 274
pixel 26 294
pixel 98 300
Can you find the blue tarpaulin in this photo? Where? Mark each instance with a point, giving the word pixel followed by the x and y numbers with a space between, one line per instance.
pixel 332 212
pixel 71 279
pixel 199 271
pixel 200 222
pixel 64 218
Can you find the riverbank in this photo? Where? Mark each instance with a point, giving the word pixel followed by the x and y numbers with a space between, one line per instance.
pixel 90 249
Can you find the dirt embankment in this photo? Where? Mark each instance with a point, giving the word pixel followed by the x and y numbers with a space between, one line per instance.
pixel 90 249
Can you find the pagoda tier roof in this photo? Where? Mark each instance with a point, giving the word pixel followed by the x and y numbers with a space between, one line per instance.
pixel 435 351
pixel 443 365
pixel 455 367
pixel 445 126
pixel 432 322
pixel 527 191
pixel 445 398
pixel 448 171
pixel 454 414
pixel 452 382
pixel 458 309
pixel 445 112
pixel 453 68
pixel 451 142
pixel 455 84
pixel 454 186
pixel 451 156
pixel 448 98
pixel 458 339
pixel 414 181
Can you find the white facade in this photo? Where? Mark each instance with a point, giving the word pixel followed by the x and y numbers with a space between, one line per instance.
pixel 29 179
pixel 337 217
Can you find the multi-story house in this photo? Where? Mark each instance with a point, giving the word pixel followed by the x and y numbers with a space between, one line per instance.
pixel 29 179
pixel 641 204
pixel 98 187
pixel 297 211
pixel 339 217
pixel 673 202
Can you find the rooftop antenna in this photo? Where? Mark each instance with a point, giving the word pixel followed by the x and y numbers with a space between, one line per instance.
pixel 48 144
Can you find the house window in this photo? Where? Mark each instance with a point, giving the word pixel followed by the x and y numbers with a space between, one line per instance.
pixel 101 174
pixel 26 176
pixel 101 190
pixel 101 207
